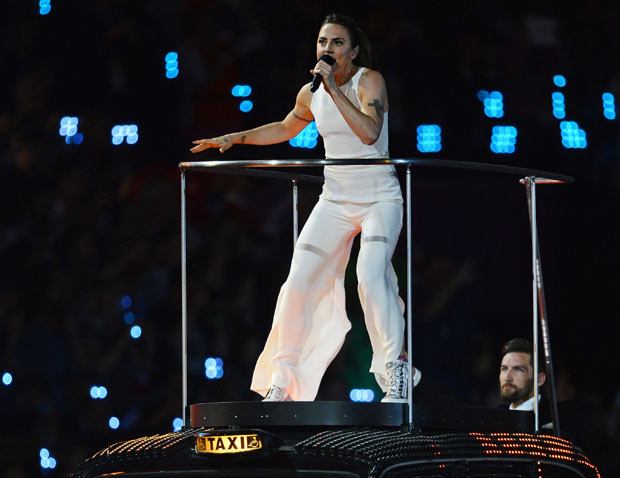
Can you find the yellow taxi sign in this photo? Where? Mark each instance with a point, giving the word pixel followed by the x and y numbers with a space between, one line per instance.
pixel 218 444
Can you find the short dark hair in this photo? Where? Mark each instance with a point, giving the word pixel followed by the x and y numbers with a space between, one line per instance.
pixel 523 346
pixel 365 56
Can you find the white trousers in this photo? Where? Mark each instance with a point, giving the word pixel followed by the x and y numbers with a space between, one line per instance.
pixel 310 320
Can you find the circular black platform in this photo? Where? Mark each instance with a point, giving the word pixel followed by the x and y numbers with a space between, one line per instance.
pixel 352 414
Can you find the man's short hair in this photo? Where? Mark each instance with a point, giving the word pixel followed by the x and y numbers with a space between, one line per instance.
pixel 523 346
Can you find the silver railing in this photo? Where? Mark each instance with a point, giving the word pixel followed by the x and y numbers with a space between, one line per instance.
pixel 261 168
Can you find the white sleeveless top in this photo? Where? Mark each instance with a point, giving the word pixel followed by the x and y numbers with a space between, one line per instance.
pixel 359 183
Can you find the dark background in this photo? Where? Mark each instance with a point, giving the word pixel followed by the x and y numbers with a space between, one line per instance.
pixel 85 225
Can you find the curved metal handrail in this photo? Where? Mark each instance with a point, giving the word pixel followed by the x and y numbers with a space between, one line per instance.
pixel 442 163
pixel 255 167
pixel 264 173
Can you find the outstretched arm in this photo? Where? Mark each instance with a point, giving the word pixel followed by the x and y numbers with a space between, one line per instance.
pixel 270 133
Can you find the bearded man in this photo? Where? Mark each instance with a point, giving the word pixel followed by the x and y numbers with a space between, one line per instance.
pixel 516 375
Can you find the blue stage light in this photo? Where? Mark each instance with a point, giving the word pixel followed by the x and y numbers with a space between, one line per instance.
pixel 98 392
pixel 122 132
pixel 126 301
pixel 172 65
pixel 129 318
pixel 559 110
pixel 246 106
pixel 503 139
pixel 117 135
pixel 44 7
pixel 609 106
pixel 572 135
pixel 132 134
pixel 77 138
pixel 177 424
pixel 68 126
pixel 429 138
pixel 559 81
pixel 7 378
pixel 494 105
pixel 241 91
pixel 135 332
pixel 214 368
pixel 306 138
pixel 114 423
pixel 361 395
pixel 69 129
pixel 47 461
pixel 482 95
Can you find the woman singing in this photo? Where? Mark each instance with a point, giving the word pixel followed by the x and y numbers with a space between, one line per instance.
pixel 350 108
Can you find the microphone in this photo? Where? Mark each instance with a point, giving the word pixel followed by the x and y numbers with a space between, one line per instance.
pixel 316 81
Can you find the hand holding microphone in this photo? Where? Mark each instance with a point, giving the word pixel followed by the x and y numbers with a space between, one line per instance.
pixel 316 81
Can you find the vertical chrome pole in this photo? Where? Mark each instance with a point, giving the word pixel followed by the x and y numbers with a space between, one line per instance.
pixel 295 212
pixel 531 192
pixel 409 301
pixel 546 346
pixel 183 297
pixel 542 308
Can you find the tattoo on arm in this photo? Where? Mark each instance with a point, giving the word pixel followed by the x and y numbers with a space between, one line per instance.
pixel 378 107
pixel 302 119
pixel 243 139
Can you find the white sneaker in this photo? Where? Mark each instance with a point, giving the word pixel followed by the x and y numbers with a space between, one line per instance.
pixel 398 375
pixel 277 394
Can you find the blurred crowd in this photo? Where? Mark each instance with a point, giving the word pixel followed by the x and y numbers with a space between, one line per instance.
pixel 84 226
